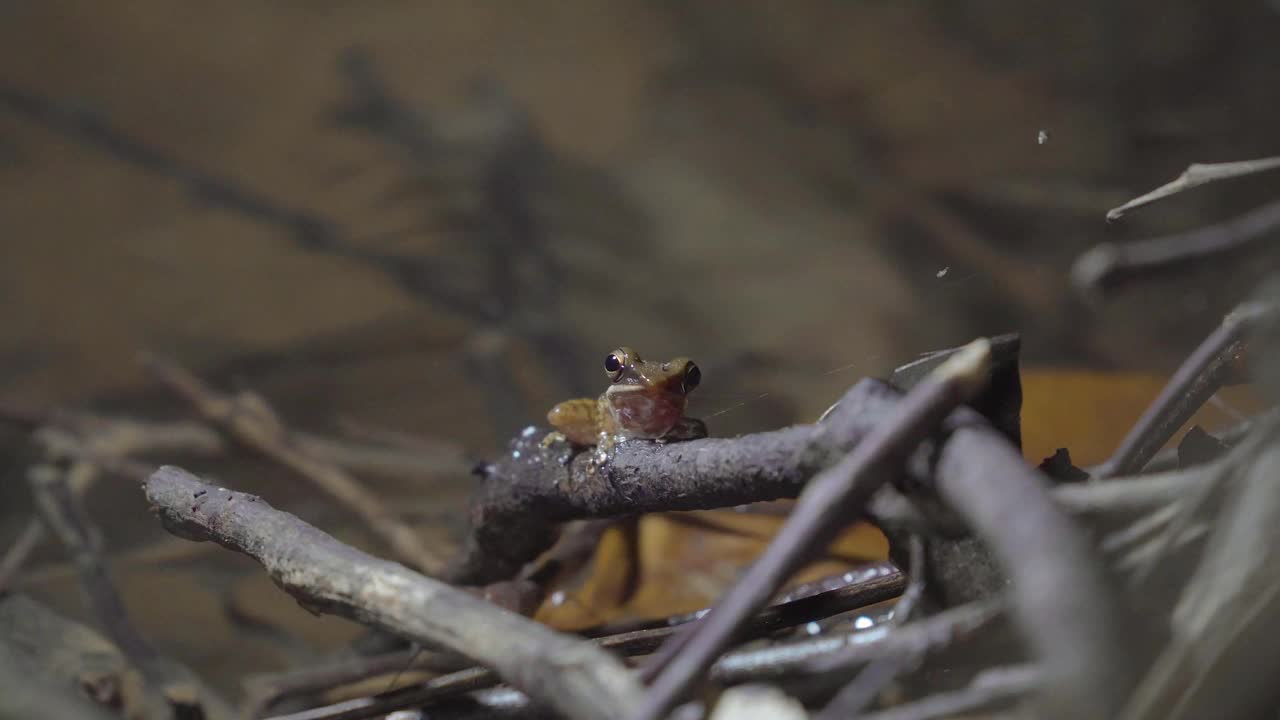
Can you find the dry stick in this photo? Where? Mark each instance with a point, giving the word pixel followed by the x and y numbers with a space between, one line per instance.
pixel 1209 367
pixel 828 501
pixel 325 575
pixel 1108 264
pixel 851 596
pixel 168 684
pixel 1066 604
pixel 251 420
pixel 1195 175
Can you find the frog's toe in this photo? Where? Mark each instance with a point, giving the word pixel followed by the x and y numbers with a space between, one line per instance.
pixel 553 438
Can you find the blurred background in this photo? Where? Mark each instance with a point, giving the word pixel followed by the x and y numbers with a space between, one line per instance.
pixel 434 219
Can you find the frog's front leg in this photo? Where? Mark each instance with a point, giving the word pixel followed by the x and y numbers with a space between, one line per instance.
pixel 686 428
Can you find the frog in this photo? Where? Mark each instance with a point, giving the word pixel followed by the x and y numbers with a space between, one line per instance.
pixel 645 399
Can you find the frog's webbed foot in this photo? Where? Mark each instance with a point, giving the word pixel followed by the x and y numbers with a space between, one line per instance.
pixel 686 429
pixel 605 445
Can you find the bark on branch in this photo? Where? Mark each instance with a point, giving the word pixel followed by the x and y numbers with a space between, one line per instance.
pixel 577 679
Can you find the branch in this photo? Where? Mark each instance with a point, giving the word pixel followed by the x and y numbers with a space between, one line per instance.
pixel 251 420
pixel 325 575
pixel 1195 175
pixel 825 505
pixel 1212 365
pixel 531 490
pixel 1065 603
pixel 1108 264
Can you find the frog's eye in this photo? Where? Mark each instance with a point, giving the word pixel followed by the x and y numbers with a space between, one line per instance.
pixel 692 376
pixel 613 365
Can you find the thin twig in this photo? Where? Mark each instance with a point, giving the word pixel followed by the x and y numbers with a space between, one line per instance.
pixel 831 653
pixel 827 501
pixel 1106 265
pixel 996 685
pixel 851 596
pixel 267 690
pixel 1208 368
pixel 531 490
pixel 250 419
pixel 1195 175
pixel 325 575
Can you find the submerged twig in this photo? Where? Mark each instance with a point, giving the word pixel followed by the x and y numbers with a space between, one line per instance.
pixel 325 575
pixel 850 596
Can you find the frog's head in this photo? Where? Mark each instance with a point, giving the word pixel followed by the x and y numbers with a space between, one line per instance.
pixel 648 398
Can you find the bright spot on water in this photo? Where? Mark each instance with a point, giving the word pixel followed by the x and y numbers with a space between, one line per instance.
pixel 528 432
pixel 863 622
pixel 515 454
pixel 813 628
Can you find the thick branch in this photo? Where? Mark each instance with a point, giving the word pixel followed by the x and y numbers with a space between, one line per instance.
pixel 576 678
pixel 531 490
